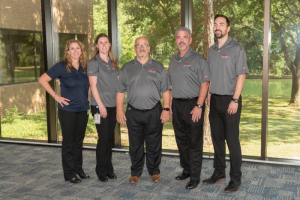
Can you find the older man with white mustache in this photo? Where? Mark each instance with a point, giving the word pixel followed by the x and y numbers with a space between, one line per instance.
pixel 144 80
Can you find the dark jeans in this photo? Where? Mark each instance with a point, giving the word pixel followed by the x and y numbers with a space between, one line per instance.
pixel 144 126
pixel 189 136
pixel 105 131
pixel 225 127
pixel 73 125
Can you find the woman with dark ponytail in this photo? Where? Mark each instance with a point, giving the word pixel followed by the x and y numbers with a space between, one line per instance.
pixel 102 71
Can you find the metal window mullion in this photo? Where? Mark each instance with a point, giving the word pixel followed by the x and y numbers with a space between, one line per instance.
pixel 265 79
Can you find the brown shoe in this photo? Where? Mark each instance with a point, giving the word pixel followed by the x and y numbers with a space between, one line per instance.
pixel 156 178
pixel 134 179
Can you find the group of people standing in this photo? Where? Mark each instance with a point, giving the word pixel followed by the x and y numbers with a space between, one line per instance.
pixel 189 81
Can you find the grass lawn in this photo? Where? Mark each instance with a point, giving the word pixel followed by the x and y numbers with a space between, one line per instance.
pixel 283 124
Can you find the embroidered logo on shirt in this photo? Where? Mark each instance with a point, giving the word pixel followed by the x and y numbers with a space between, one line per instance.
pixel 206 76
pixel 151 70
pixel 186 64
pixel 225 55
pixel 245 68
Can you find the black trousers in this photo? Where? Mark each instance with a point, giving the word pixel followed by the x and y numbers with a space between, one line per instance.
pixel 225 127
pixel 105 131
pixel 189 136
pixel 73 126
pixel 144 126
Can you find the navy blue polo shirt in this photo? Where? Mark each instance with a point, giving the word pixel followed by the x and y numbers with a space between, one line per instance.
pixel 74 86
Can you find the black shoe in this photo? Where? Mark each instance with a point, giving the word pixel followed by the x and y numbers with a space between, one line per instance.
pixel 182 176
pixel 103 179
pixel 84 175
pixel 192 184
pixel 233 186
pixel 215 178
pixel 74 180
pixel 112 176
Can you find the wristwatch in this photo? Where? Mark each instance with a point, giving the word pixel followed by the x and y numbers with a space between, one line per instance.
pixel 199 105
pixel 166 109
pixel 235 100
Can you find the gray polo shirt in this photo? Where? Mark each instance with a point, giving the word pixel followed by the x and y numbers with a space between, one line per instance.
pixel 226 64
pixel 187 73
pixel 143 83
pixel 107 79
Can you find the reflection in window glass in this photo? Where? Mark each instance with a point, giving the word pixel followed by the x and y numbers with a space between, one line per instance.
pixel 21 56
pixel 247 29
pixel 157 21
pixel 22 105
pixel 284 95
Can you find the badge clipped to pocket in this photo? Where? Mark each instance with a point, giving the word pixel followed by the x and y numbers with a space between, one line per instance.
pixel 97 118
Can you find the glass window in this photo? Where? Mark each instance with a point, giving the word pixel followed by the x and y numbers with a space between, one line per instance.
pixel 22 105
pixel 157 21
pixel 21 56
pixel 284 85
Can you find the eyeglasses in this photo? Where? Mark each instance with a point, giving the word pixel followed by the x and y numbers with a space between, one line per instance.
pixel 141 45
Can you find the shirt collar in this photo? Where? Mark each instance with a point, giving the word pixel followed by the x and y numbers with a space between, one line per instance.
pixel 216 46
pixel 149 61
pixel 101 61
pixel 186 54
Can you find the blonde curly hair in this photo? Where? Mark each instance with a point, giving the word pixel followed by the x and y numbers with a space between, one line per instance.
pixel 82 58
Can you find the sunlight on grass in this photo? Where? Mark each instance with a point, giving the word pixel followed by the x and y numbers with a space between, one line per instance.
pixel 283 124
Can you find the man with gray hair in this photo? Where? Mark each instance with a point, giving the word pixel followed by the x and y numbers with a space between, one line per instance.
pixel 189 82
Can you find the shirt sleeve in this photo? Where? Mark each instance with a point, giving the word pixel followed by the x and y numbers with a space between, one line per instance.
pixel 121 86
pixel 56 70
pixel 204 74
pixel 165 81
pixel 240 60
pixel 92 68
pixel 169 77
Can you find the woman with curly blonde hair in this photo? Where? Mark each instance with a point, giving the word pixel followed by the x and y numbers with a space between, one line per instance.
pixel 73 106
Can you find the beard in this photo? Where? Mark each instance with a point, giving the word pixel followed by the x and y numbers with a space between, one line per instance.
pixel 182 46
pixel 220 34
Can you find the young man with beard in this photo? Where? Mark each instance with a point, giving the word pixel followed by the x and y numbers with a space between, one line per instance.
pixel 228 68
pixel 189 80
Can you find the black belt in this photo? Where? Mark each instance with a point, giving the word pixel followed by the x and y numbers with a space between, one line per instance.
pixel 221 95
pixel 130 106
pixel 185 99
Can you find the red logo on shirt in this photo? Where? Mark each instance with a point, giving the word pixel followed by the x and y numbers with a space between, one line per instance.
pixel 244 69
pixel 225 55
pixel 186 64
pixel 206 76
pixel 152 70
